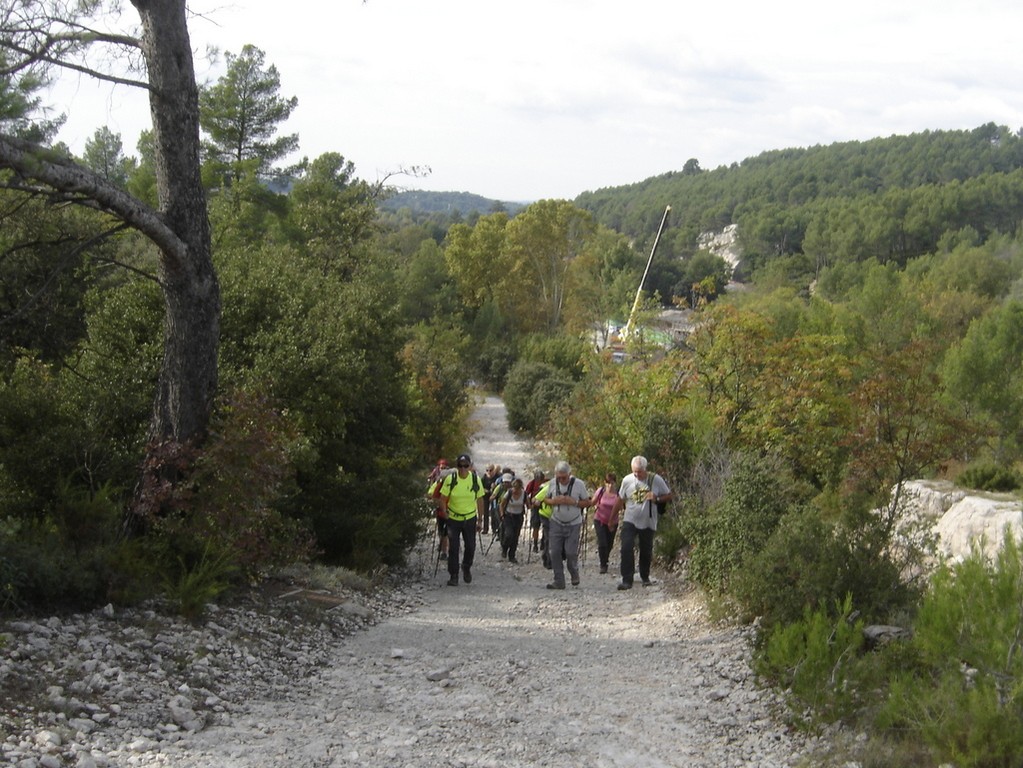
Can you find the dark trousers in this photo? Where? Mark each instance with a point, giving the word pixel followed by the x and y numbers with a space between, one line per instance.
pixel 605 541
pixel 461 531
pixel 512 525
pixel 646 551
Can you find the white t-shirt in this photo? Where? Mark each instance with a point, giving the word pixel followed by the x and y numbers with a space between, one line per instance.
pixel 568 514
pixel 642 514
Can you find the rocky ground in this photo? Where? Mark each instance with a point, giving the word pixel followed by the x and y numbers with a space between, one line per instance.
pixel 500 672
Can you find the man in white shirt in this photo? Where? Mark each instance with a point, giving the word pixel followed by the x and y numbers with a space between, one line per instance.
pixel 639 495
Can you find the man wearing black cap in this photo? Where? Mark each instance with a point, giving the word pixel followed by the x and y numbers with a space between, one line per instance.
pixel 461 498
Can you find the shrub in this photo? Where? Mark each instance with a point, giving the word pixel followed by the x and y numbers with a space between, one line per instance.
pixel 524 381
pixel 808 561
pixel 223 511
pixel 731 532
pixel 990 477
pixel 192 587
pixel 815 660
pixel 964 698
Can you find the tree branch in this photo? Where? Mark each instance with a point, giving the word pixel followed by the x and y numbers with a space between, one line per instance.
pixel 32 162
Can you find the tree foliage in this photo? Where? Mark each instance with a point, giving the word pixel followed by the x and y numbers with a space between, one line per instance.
pixel 241 115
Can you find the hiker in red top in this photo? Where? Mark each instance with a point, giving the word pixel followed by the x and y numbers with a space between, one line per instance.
pixel 433 491
pixel 605 518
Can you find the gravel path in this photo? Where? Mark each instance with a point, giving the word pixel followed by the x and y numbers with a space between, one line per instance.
pixel 500 673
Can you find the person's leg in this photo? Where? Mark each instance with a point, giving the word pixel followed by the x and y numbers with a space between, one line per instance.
pixel 646 552
pixel 600 533
pixel 545 541
pixel 572 551
pixel 442 534
pixel 469 538
pixel 514 524
pixel 454 535
pixel 628 553
pixel 556 546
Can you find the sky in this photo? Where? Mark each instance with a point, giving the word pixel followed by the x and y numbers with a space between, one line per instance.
pixel 535 99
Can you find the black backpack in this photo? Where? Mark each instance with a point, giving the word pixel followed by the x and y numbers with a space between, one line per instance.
pixel 475 482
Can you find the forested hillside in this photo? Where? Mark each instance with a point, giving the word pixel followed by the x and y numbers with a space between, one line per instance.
pixel 888 198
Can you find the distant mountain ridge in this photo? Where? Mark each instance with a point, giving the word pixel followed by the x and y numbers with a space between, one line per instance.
pixel 465 203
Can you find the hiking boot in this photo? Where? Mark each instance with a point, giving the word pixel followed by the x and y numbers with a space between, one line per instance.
pixel 603 569
pixel 575 581
pixel 623 585
pixel 511 559
pixel 555 585
pixel 467 576
pixel 453 581
pixel 536 547
pixel 647 583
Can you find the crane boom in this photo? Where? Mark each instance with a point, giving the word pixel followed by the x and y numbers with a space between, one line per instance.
pixel 639 291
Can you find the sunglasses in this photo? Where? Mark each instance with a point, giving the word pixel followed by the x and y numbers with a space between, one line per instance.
pixel 462 465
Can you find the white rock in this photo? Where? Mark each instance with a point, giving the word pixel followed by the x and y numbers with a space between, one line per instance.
pixel 48 739
pixel 979 520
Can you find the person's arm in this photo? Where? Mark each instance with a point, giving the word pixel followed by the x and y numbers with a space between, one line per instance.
pixel 619 505
pixel 667 495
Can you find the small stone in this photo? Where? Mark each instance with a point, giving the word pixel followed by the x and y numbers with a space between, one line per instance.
pixel 437 675
pixel 48 739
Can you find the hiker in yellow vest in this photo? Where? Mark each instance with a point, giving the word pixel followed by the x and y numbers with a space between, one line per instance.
pixel 543 514
pixel 461 499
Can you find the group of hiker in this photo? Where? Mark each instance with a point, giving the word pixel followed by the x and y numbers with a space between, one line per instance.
pixel 467 503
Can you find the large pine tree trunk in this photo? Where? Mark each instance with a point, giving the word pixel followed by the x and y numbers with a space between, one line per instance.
pixel 188 377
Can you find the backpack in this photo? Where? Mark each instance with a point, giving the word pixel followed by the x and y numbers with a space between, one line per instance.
pixel 662 506
pixel 454 482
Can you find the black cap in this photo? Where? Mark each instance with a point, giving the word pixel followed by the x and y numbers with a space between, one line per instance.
pixel 463 459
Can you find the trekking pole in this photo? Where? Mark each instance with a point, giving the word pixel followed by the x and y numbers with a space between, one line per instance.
pixel 493 537
pixel 585 539
pixel 529 537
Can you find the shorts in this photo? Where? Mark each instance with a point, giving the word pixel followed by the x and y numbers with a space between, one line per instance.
pixel 535 519
pixel 442 526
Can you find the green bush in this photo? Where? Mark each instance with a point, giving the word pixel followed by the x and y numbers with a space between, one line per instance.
pixel 192 587
pixel 728 535
pixel 566 353
pixel 964 699
pixel 808 561
pixel 990 477
pixel 328 351
pixel 671 540
pixel 524 384
pixel 815 660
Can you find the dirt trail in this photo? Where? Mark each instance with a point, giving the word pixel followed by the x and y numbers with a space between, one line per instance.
pixel 505 673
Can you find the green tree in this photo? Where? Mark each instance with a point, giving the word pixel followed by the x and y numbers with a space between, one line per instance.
pixel 104 155
pixel 241 115
pixel 704 277
pixel 542 242
pixel 476 257
pixel 985 372
pixel 332 211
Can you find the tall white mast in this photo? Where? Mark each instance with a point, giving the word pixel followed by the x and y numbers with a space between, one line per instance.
pixel 639 291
